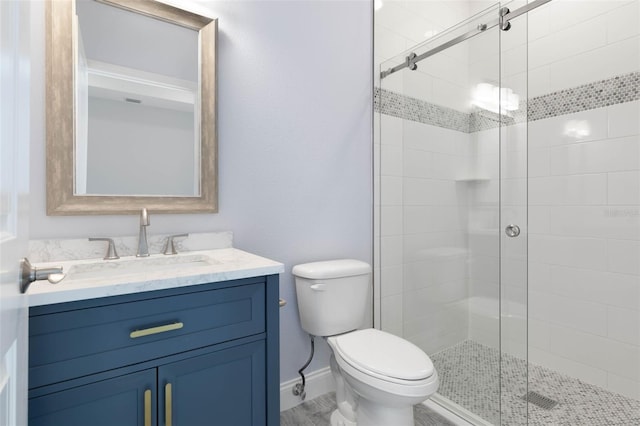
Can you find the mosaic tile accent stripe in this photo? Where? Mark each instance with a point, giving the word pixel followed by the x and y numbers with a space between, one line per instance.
pixel 408 108
pixel 616 90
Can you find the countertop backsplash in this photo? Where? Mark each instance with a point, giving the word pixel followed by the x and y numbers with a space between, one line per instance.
pixel 55 250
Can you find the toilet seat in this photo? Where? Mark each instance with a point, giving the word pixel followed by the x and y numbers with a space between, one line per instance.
pixel 382 356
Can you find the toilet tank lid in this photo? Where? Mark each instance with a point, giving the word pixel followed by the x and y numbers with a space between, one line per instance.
pixel 331 269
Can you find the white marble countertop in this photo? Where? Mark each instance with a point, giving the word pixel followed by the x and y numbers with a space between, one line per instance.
pixel 93 278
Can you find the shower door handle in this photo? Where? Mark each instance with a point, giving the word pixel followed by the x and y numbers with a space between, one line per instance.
pixel 512 231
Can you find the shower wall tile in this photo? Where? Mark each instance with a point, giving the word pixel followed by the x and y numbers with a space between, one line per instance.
pixel 390 190
pixel 388 43
pixel 584 187
pixel 623 386
pixel 586 373
pixel 393 278
pixel 391 311
pixel 595 65
pixel 391 251
pixel 538 162
pixel 419 191
pixel 610 155
pixel 594 221
pixel 566 129
pixel 623 325
pixel 588 189
pixel 623 255
pixel 623 22
pixel 596 351
pixel 424 219
pixel 623 188
pixel 418 163
pixel 539 219
pixel 434 269
pixel 587 253
pixel 391 220
pixel 391 160
pixel 390 130
pixel 450 95
pixel 589 317
pixel 563 14
pixel 539 81
pixel 446 68
pixel 570 41
pixel 434 139
pixel 623 119
pixel 421 84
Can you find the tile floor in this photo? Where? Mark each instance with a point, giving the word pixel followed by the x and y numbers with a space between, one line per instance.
pixel 317 412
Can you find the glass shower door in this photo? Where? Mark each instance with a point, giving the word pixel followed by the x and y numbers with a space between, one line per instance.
pixel 440 188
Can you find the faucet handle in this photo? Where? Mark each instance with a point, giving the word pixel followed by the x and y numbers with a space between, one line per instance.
pixel 144 217
pixel 112 254
pixel 169 247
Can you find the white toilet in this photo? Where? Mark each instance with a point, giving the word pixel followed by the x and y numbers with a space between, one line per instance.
pixel 379 376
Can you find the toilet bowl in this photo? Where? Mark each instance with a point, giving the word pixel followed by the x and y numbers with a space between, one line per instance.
pixel 379 376
pixel 389 375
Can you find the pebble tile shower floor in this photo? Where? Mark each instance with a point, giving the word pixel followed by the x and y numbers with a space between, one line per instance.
pixel 469 377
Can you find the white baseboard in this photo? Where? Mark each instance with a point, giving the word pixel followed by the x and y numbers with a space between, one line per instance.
pixel 317 383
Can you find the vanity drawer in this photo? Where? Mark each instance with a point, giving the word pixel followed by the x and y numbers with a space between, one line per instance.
pixel 79 342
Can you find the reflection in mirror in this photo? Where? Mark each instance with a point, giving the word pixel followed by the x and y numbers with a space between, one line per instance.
pixel 136 97
pixel 130 108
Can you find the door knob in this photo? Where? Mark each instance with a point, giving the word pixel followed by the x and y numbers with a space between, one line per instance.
pixel 29 274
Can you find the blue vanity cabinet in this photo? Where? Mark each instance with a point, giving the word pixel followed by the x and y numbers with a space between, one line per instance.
pixel 187 399
pixel 199 355
pixel 124 401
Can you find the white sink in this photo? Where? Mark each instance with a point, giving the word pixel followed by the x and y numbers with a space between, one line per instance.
pixel 110 268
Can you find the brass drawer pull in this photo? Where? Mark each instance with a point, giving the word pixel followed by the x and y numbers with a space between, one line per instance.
pixel 147 407
pixel 156 330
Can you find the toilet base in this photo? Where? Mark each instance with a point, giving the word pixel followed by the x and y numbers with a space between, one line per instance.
pixel 337 419
pixel 370 413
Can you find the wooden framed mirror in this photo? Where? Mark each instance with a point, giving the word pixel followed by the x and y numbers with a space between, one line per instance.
pixel 129 125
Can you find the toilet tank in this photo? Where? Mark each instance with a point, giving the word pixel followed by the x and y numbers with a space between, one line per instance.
pixel 332 295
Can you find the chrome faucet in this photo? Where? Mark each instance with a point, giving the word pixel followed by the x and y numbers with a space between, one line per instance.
pixel 143 247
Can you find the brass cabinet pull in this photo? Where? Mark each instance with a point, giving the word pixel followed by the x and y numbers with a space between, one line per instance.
pixel 155 330
pixel 147 407
pixel 167 404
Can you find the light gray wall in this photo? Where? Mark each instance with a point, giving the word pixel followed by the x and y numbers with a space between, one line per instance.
pixel 295 135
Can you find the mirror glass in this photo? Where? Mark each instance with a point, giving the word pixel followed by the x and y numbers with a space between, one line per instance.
pixel 137 121
pixel 130 108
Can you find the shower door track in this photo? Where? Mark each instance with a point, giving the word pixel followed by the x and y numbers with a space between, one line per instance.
pixel 503 20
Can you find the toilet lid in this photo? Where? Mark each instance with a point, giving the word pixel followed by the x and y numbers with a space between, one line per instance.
pixel 385 354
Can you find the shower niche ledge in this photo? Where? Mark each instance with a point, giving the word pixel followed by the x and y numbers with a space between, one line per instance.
pixel 473 179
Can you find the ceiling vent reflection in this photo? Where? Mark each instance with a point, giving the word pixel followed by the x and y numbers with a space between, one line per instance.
pixel 577 129
pixel 495 99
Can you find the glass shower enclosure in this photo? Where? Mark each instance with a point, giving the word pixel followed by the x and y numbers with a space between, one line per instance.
pixel 508 232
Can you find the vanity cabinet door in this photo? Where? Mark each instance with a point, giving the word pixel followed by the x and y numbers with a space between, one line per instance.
pixel 227 387
pixel 128 400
